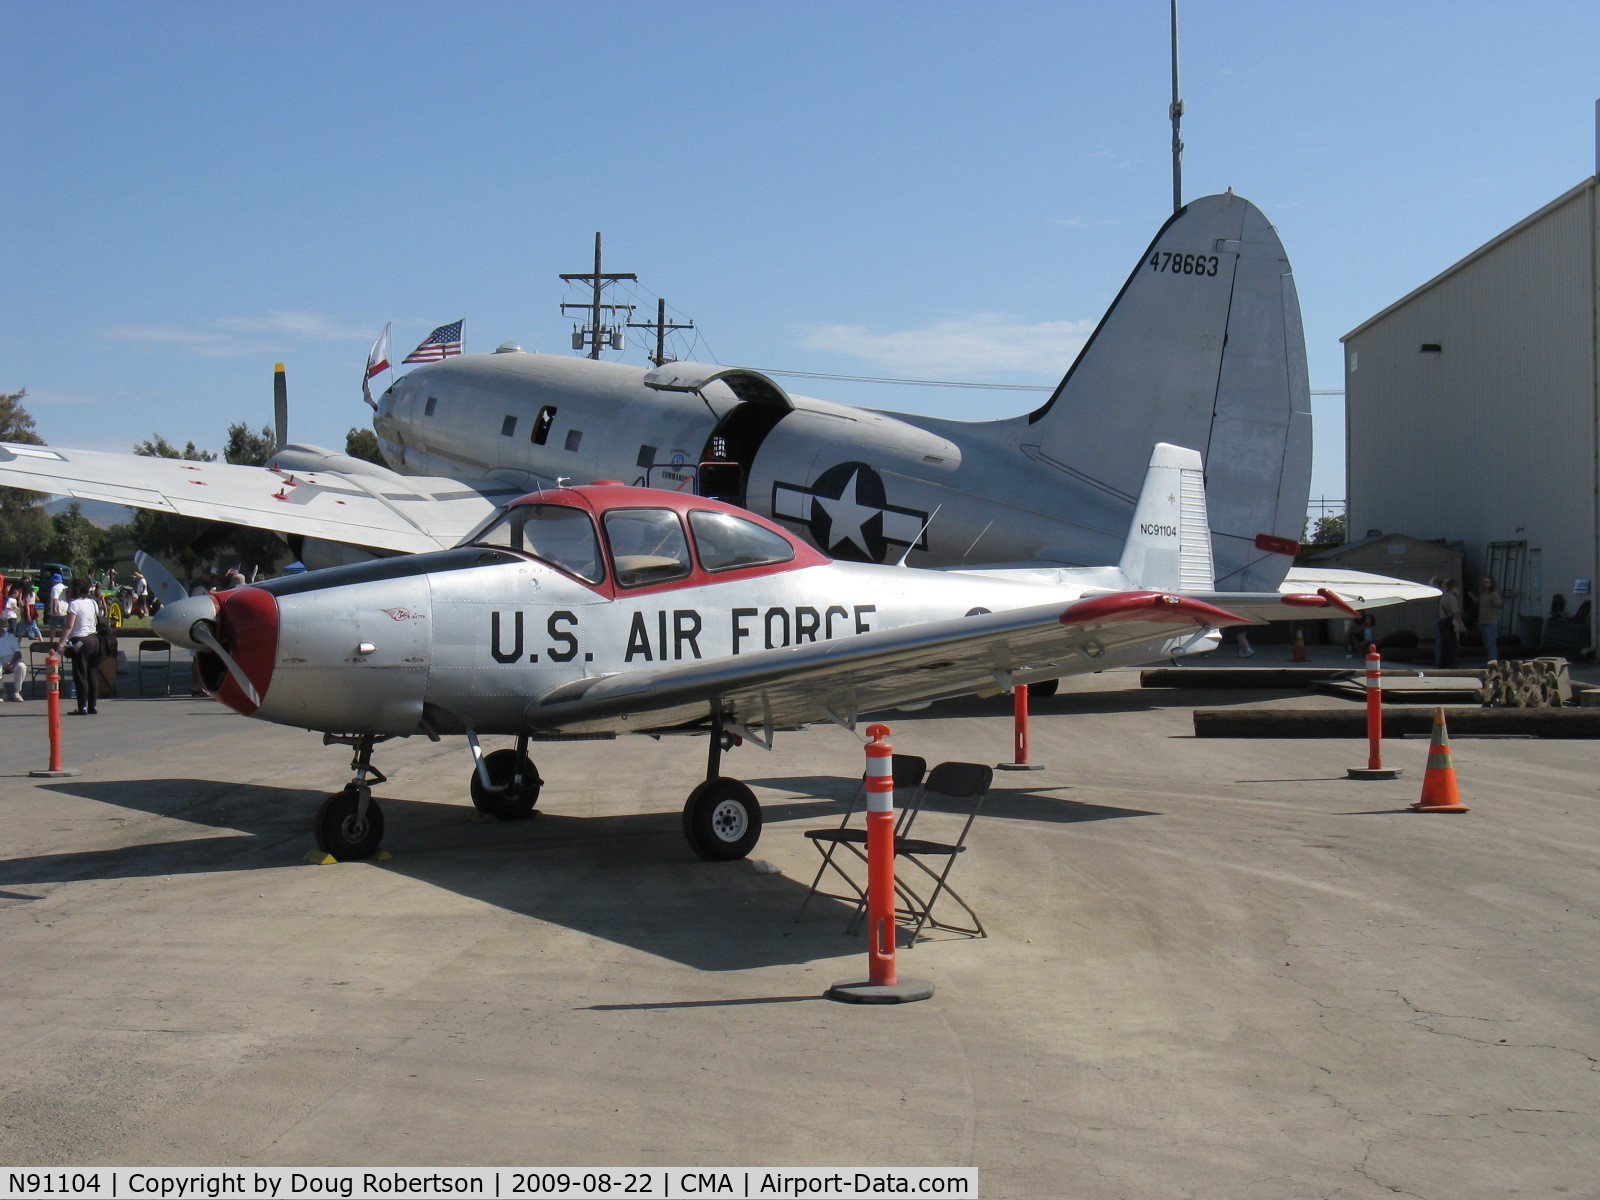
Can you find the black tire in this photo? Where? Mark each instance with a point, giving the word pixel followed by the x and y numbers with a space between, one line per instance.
pixel 1044 689
pixel 722 820
pixel 338 832
pixel 515 802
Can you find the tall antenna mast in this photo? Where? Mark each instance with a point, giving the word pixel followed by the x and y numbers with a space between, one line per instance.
pixel 595 334
pixel 1175 111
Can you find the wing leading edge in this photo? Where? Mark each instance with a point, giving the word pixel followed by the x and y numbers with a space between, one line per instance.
pixel 378 508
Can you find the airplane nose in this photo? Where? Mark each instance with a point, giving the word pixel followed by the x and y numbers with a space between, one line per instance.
pixel 234 635
pixel 176 620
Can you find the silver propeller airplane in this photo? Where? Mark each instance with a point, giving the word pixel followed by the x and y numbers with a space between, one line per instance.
pixel 592 611
pixel 1202 347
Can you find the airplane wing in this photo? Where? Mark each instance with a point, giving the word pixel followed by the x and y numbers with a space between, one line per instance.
pixel 1315 595
pixel 379 509
pixel 837 680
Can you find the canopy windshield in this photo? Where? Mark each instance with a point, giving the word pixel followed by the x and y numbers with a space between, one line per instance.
pixel 560 535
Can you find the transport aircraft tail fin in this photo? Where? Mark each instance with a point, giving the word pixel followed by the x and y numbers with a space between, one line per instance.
pixel 1203 347
pixel 1169 541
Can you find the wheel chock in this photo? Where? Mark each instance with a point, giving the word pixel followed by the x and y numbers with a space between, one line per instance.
pixel 383 856
pixel 317 858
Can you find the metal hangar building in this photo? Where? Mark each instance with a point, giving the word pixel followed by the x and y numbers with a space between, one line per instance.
pixel 1472 415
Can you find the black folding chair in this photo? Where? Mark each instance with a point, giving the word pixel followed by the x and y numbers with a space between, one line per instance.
pixel 960 785
pixel 153 655
pixel 908 770
pixel 39 669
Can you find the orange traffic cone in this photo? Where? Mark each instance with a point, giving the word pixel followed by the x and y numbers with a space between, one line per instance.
pixel 1299 646
pixel 1439 780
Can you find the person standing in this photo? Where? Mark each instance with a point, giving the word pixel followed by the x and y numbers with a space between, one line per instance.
pixel 13 672
pixel 1447 645
pixel 57 610
pixel 82 641
pixel 1490 602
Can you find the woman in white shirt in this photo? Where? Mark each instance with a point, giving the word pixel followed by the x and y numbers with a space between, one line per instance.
pixel 83 647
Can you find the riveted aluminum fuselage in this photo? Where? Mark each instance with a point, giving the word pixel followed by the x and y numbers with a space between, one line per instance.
pixel 468 646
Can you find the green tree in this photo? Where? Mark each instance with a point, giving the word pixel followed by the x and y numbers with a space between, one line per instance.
pixel 74 540
pixel 1327 531
pixel 25 527
pixel 157 446
pixel 363 444
pixel 248 449
pixel 16 422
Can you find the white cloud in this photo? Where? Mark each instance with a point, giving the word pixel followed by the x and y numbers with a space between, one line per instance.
pixel 229 337
pixel 979 345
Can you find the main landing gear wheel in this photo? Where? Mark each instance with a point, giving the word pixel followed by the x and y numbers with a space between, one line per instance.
pixel 517 800
pixel 722 820
pixel 344 834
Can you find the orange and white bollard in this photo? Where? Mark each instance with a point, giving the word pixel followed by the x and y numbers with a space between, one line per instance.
pixel 1019 732
pixel 883 984
pixel 1374 768
pixel 52 708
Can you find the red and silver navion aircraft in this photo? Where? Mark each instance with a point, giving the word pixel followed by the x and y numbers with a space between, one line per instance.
pixel 592 611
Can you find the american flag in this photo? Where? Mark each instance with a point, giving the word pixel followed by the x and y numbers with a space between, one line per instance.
pixel 441 343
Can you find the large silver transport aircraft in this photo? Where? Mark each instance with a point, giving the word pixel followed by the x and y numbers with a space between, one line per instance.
pixel 1203 347
pixel 591 611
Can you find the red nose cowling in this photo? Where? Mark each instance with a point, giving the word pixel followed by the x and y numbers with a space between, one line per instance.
pixel 247 627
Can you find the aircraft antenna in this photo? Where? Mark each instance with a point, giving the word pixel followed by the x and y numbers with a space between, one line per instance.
pixel 597 334
pixel 1175 112
pixel 662 327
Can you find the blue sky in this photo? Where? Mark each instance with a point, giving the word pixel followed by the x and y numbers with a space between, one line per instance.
pixel 193 191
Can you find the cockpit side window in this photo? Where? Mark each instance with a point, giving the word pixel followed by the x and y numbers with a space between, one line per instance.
pixel 647 546
pixel 726 542
pixel 563 537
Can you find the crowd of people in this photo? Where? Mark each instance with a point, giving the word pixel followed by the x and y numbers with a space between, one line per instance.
pixel 79 618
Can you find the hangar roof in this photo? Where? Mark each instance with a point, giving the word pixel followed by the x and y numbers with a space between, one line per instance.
pixel 1532 218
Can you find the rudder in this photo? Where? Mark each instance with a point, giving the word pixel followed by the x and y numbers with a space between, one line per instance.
pixel 1203 347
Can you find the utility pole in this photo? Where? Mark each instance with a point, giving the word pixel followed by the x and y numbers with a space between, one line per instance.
pixel 662 327
pixel 596 335
pixel 1175 111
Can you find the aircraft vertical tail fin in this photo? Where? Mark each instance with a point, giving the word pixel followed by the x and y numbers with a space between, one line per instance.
pixel 1169 541
pixel 1203 347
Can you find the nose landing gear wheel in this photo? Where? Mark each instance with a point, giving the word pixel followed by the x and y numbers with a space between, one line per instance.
pixel 722 820
pixel 517 800
pixel 344 834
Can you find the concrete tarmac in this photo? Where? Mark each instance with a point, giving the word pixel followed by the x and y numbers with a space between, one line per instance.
pixel 1214 969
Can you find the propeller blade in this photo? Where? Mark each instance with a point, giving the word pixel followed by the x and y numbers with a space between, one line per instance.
pixel 280 406
pixel 209 640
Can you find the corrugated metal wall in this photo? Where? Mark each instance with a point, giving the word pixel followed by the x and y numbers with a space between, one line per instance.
pixel 1492 437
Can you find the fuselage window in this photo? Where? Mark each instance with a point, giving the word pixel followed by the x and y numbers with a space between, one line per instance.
pixel 433 403
pixel 647 545
pixel 508 427
pixel 726 541
pixel 574 437
pixel 561 536
pixel 542 423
